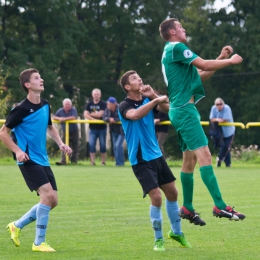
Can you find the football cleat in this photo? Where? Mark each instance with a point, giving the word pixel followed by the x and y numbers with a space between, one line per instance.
pixel 179 238
pixel 43 247
pixel 192 216
pixel 15 233
pixel 159 245
pixel 227 212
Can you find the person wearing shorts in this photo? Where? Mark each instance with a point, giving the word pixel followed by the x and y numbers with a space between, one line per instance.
pixel 30 120
pixel 136 113
pixel 183 73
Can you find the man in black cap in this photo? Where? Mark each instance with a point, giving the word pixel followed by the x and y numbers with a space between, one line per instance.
pixel 111 116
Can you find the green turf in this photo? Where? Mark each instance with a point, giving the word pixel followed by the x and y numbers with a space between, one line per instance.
pixel 102 215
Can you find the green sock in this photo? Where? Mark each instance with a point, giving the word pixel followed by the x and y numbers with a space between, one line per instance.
pixel 187 189
pixel 209 179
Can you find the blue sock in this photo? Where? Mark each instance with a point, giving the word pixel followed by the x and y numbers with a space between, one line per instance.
pixel 156 220
pixel 27 218
pixel 172 209
pixel 42 218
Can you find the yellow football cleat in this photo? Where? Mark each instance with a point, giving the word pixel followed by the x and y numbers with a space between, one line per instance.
pixel 43 247
pixel 15 233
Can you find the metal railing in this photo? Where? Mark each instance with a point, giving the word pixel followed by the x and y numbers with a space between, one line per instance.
pixel 85 121
pixel 252 124
pixel 206 123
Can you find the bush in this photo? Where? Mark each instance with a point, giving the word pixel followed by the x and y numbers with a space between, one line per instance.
pixel 250 153
pixel 4 151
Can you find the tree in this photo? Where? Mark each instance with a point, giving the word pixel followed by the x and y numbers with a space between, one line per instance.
pixel 78 45
pixel 5 95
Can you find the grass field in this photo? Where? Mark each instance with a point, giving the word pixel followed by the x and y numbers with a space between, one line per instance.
pixel 102 215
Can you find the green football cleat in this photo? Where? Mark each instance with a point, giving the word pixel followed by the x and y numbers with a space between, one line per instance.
pixel 15 233
pixel 179 238
pixel 43 247
pixel 159 245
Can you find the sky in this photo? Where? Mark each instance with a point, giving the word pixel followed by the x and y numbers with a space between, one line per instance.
pixel 222 3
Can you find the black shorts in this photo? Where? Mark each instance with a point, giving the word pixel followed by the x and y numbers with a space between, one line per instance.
pixel 153 174
pixel 36 175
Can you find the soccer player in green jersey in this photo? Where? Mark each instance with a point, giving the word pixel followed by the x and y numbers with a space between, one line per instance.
pixel 183 72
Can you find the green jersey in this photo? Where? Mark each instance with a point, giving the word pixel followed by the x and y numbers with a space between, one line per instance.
pixel 181 77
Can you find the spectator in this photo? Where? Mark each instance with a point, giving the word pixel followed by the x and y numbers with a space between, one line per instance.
pixel 222 113
pixel 116 130
pixel 216 134
pixel 94 111
pixel 65 113
pixel 161 130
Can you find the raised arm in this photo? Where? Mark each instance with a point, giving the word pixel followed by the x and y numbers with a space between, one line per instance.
pixel 135 114
pixel 148 91
pixel 206 68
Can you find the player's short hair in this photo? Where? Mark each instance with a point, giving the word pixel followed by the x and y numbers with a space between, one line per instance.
pixel 165 26
pixel 25 76
pixel 125 79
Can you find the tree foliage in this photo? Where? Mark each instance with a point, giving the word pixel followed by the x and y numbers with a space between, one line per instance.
pixel 5 95
pixel 81 45
pixel 78 45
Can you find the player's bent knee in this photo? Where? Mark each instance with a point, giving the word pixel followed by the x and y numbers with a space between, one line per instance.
pixel 156 197
pixel 172 196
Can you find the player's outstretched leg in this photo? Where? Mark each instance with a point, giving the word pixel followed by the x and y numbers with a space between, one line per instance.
pixel 14 228
pixel 227 212
pixel 192 216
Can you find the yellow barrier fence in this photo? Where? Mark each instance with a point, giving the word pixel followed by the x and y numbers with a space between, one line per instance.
pixel 85 121
pixel 252 124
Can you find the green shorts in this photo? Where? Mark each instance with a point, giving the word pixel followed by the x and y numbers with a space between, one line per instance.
pixel 186 121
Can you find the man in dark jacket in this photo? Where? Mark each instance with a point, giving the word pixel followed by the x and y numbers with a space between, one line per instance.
pixel 111 116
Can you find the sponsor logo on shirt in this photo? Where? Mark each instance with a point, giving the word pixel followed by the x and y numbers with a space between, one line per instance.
pixel 187 54
pixel 31 110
